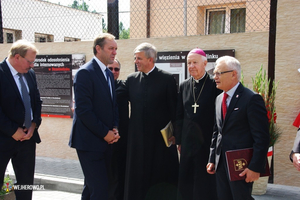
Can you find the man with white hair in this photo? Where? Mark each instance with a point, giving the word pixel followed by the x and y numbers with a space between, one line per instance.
pixel 241 122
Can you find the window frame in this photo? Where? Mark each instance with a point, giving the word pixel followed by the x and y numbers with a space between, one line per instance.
pixel 227 10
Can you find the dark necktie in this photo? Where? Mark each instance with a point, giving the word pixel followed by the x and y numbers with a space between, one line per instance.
pixel 224 105
pixel 108 79
pixel 26 101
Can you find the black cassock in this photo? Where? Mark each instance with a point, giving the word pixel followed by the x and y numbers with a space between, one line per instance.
pixel 152 168
pixel 194 131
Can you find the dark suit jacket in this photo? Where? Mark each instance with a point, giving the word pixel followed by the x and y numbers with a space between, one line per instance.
pixel 12 110
pixel 245 126
pixel 95 110
pixel 296 147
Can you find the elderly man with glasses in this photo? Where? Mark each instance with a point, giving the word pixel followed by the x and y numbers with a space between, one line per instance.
pixel 240 122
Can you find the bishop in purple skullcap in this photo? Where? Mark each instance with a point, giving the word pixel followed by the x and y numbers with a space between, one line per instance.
pixel 198 51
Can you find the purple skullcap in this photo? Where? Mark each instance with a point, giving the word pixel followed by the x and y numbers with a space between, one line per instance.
pixel 198 51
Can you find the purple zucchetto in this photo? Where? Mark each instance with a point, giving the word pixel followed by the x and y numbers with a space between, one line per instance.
pixel 198 51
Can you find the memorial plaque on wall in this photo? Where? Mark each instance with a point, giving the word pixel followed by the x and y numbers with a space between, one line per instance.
pixel 55 80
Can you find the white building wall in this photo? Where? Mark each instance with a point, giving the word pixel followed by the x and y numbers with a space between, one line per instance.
pixel 35 16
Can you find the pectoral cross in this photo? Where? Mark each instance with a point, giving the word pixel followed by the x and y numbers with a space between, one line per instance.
pixel 195 106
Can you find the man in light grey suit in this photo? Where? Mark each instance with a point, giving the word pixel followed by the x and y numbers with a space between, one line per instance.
pixel 243 125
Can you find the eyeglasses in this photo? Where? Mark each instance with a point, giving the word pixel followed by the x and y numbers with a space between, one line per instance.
pixel 29 62
pixel 220 73
pixel 116 69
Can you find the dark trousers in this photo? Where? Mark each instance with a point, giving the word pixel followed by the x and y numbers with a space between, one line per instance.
pixel 22 155
pixel 194 181
pixel 95 167
pixel 231 190
pixel 118 166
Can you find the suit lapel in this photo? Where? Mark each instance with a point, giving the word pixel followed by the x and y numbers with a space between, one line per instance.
pixel 11 79
pixel 236 96
pixel 219 109
pixel 101 75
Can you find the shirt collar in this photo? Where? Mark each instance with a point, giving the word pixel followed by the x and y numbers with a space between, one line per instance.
pixel 232 90
pixel 102 66
pixel 12 69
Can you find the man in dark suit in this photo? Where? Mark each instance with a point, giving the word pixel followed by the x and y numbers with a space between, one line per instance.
pixel 19 118
pixel 243 125
pixel 95 118
pixel 118 160
pixel 295 154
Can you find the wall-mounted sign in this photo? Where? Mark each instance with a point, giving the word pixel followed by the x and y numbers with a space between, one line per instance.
pixel 54 74
pixel 175 62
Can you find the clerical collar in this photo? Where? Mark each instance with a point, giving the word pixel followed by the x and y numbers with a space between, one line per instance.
pixel 197 81
pixel 150 71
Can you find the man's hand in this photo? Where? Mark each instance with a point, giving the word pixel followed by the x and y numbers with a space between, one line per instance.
pixel 250 175
pixel 19 134
pixel 172 139
pixel 210 168
pixel 296 161
pixel 29 132
pixel 112 136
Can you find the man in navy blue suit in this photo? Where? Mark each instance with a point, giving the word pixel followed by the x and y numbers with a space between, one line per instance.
pixel 243 125
pixel 18 131
pixel 95 118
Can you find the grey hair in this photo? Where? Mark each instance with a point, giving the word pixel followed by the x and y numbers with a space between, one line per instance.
pixel 149 49
pixel 232 64
pixel 118 62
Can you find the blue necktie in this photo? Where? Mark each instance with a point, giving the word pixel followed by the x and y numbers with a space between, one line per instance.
pixel 108 80
pixel 26 101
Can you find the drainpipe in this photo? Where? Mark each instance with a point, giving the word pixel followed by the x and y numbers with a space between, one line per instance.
pixel 271 61
pixel 148 18
pixel 1 28
pixel 113 17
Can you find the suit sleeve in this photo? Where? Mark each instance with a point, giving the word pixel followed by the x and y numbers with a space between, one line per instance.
pixel 172 98
pixel 259 127
pixel 83 89
pixel 37 109
pixel 179 116
pixel 212 153
pixel 296 147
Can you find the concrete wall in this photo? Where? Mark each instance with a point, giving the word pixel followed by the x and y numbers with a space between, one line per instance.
pixel 251 51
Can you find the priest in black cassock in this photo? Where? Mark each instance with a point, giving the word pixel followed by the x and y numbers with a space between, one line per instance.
pixel 151 166
pixel 194 127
